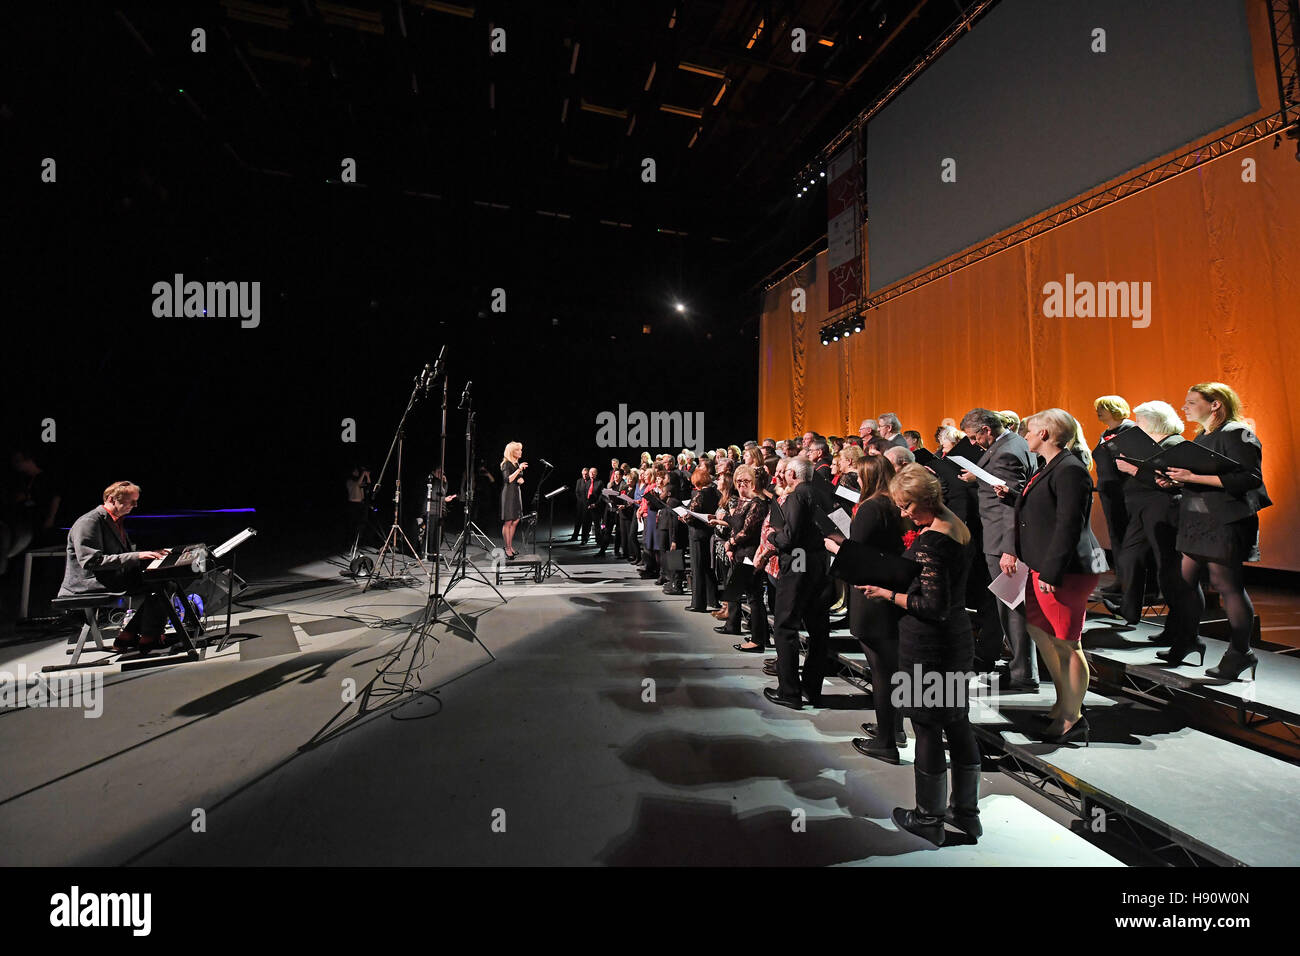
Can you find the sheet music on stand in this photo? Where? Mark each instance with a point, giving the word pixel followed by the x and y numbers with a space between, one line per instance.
pixel 551 494
pixel 230 545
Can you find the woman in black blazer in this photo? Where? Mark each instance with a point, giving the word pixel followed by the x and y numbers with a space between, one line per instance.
pixel 1065 561
pixel 1218 520
pixel 741 530
pixel 704 589
pixel 873 622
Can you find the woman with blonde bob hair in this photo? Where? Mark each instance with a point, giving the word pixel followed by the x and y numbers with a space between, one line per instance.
pixel 512 498
pixel 1053 537
pixel 1218 524
pixel 935 647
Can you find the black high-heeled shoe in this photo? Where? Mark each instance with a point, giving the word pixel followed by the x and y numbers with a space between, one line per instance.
pixel 1176 655
pixel 1233 663
pixel 1080 726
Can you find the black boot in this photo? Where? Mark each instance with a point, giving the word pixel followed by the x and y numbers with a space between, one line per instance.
pixel 1232 665
pixel 964 811
pixel 926 819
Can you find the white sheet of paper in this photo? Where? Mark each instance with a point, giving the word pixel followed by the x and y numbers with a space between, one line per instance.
pixel 976 470
pixel 848 494
pixel 681 510
pixel 750 562
pixel 841 519
pixel 1010 590
pixel 701 515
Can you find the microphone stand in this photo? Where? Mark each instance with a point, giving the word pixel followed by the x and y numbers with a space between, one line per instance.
pixel 396 536
pixel 462 566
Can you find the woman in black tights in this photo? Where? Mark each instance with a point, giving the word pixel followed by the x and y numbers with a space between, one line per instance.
pixel 935 660
pixel 873 622
pixel 1218 527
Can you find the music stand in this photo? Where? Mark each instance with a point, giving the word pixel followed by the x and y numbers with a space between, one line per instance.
pixel 550 567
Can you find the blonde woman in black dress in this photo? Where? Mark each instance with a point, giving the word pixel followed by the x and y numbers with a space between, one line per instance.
pixel 512 498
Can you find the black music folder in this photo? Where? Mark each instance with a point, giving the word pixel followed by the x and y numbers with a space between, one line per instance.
pixel 1197 459
pixel 859 563
pixel 1133 444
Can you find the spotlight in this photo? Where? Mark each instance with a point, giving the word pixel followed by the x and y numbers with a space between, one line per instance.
pixel 857 328
pixel 835 338
pixel 826 341
pixel 823 174
pixel 680 307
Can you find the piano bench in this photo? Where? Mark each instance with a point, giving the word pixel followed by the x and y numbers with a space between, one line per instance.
pixel 88 604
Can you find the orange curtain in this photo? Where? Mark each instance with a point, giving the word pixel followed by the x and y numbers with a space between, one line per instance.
pixel 1222 256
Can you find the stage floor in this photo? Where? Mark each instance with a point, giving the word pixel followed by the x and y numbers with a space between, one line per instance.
pixel 541 744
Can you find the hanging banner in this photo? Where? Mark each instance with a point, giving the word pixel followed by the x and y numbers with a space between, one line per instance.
pixel 844 228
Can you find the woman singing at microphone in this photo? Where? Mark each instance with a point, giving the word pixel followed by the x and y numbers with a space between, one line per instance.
pixel 512 498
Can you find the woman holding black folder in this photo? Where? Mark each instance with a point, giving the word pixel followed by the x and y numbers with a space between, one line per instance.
pixel 704 500
pixel 741 530
pixel 1152 530
pixel 1218 519
pixel 935 648
pixel 873 622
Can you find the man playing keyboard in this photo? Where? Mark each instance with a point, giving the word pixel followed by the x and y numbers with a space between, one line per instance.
pixel 100 557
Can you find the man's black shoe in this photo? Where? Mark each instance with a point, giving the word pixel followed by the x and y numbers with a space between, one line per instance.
pixel 878 749
pixel 872 730
pixel 774 697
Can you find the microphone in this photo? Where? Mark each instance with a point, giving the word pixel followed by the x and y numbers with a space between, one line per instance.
pixel 440 364
pixel 464 398
pixel 423 380
pixel 546 463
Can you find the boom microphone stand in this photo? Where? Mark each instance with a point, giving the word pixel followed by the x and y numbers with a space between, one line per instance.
pixel 436 599
pixel 462 567
pixel 396 536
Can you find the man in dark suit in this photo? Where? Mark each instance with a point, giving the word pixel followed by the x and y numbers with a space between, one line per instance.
pixel 800 594
pixel 1113 412
pixel 819 454
pixel 890 428
pixel 1006 456
pixel 580 488
pixel 101 558
pixel 674 533
pixel 592 503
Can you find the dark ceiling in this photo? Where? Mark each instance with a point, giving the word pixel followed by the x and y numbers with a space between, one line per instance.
pixel 557 125
pixel 471 174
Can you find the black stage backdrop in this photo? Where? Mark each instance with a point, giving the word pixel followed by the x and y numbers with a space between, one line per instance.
pixel 360 287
